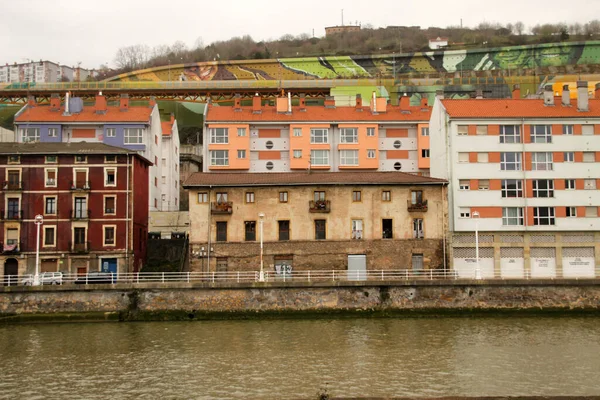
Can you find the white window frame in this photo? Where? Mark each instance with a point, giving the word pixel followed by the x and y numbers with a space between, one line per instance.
pixel 133 136
pixel 348 135
pixel 462 130
pixel 297 153
pixel 541 134
pixel 510 134
pixel 567 129
pixel 53 132
pixel 570 184
pixel 47 182
pixel 571 212
pixel 483 184
pixel 515 165
pixel 46 205
pixel 541 161
pixel 241 132
pixel 297 132
pixel 425 131
pixel 219 158
pixel 319 157
pixel 464 184
pixel 370 132
pixel 104 209
pixel 569 156
pixel 539 191
pixel 202 197
pixel 357 229
pixel 425 153
pixel 250 197
pixel 111 132
pixel 30 135
pixel 517 190
pixel 106 171
pixel 512 216
pixel 371 153
pixel 114 228
pixel 464 212
pixel 319 135
pixel 348 157
pixel 241 154
pixel 53 244
pixel 463 157
pixel 219 135
pixel 544 220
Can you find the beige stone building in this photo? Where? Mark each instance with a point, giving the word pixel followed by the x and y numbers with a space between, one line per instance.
pixel 316 220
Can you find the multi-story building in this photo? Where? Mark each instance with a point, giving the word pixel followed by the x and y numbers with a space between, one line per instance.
pixel 42 72
pixel 282 138
pixel 524 174
pixel 169 180
pixel 355 220
pixel 136 128
pixel 93 199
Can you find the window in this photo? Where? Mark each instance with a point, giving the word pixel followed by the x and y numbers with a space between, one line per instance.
pixel 510 134
pixel 425 153
pixel 541 161
pixel 249 197
pixel 221 197
pixel 464 184
pixel 397 144
pixel 319 157
pixel 512 188
pixel 348 135
pixel 241 131
pixel 571 212
pixel 463 130
pixel 219 157
pixel 418 228
pixel 284 230
pixel 591 212
pixel 356 196
pixel 569 184
pixel 111 132
pixel 424 131
pixel 14 180
pixel 589 184
pixel 319 196
pixel 50 177
pixel 320 229
pixel 110 159
pixel 50 207
pixel 163 180
pixel 587 129
pixel 52 132
pixel 371 153
pixel 269 144
pixel 569 156
pixel 484 184
pixel 464 212
pixel 543 188
pixel 357 229
pixel 512 216
pixel 109 235
pixel 283 197
pixel 49 236
pixel 13 211
pixel 221 231
pixel 132 136
pixel 297 132
pixel 482 130
pixel 387 229
pixel 12 159
pixel 219 135
pixel 348 157
pixel 249 231
pixel 416 197
pixel 510 161
pixel 482 157
pixel 541 134
pixel 463 157
pixel 81 210
pixel 51 159
pixel 319 135
pixel 155 181
pixel 370 132
pixel 30 135
pixel 109 205
pixel 567 129
pixel 589 156
pixel 241 154
pixel 386 195
pixel 297 153
pixel 12 236
pixel 543 216
pixel 110 177
pixel 81 159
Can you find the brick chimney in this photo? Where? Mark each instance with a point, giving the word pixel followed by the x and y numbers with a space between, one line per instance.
pixel 256 104
pixel 404 102
pixel 100 107
pixel 583 100
pixel 237 102
pixel 124 102
pixel 152 102
pixel 566 96
pixel 31 101
pixel 172 118
pixel 54 102
pixel 329 102
pixel 548 96
pixel 302 102
pixel 516 92
pixel 424 102
pixel 359 103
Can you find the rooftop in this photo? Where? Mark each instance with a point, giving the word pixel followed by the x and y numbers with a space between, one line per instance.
pixel 45 113
pixel 35 148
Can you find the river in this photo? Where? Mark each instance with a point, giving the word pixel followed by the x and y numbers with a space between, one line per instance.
pixel 291 359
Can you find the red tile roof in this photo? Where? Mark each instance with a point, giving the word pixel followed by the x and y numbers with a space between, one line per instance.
pixel 204 179
pixel 88 114
pixel 167 128
pixel 517 108
pixel 317 114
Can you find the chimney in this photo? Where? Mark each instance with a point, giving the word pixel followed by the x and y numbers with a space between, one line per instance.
pixel 566 96
pixel 302 102
pixel 124 102
pixel 172 118
pixel 597 91
pixel 548 96
pixel 516 92
pixel 100 106
pixel 329 102
pixel 373 103
pixel 582 96
pixel 281 104
pixel 439 94
pixel 404 102
pixel 31 101
pixel 237 102
pixel 424 102
pixel 359 102
pixel 152 102
pixel 54 102
pixel 479 94
pixel 67 103
pixel 289 102
pixel 256 104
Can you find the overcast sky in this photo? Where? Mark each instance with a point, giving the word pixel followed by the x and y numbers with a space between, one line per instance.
pixel 91 32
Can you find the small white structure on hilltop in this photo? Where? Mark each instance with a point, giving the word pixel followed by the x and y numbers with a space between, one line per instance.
pixel 438 43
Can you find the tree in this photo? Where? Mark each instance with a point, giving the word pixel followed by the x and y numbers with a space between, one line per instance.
pixel 132 57
pixel 519 28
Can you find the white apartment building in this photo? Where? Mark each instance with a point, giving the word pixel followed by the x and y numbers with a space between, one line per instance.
pixel 170 182
pixel 524 174
pixel 41 72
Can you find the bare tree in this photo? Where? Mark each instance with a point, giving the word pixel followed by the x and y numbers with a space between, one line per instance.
pixel 132 57
pixel 519 28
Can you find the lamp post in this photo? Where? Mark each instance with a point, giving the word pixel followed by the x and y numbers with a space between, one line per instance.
pixel 169 61
pixel 39 220
pixel 477 268
pixel 261 275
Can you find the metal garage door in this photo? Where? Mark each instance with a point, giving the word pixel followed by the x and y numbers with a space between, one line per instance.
pixel 578 262
pixel 512 262
pixel 464 262
pixel 543 262
pixel 357 267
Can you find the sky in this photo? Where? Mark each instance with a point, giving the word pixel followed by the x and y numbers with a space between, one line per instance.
pixel 91 32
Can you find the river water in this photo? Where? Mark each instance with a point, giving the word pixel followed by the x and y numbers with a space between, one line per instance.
pixel 291 359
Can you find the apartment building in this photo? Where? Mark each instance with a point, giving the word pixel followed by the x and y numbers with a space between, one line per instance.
pixel 351 220
pixel 136 128
pixel 93 200
pixel 286 138
pixel 42 72
pixel 524 174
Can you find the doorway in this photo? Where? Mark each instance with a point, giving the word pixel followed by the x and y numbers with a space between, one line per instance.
pixel 11 271
pixel 357 267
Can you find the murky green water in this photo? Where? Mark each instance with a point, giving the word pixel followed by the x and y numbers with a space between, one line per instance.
pixel 294 358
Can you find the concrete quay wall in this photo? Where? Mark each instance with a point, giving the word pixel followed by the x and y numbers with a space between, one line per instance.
pixel 201 301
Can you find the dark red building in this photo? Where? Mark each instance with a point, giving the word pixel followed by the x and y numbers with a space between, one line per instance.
pixel 93 199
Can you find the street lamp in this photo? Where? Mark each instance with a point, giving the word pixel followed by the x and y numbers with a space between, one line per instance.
pixel 261 276
pixel 477 268
pixel 39 220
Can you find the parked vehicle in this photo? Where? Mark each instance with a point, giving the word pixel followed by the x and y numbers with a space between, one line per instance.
pixel 46 278
pixel 94 278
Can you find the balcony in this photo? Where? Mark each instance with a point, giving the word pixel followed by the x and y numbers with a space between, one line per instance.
pixel 79 248
pixel 12 215
pixel 80 214
pixel 80 186
pixel 12 186
pixel 221 207
pixel 319 206
pixel 10 248
pixel 420 206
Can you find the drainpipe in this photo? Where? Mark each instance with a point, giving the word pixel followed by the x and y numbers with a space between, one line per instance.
pixel 208 230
